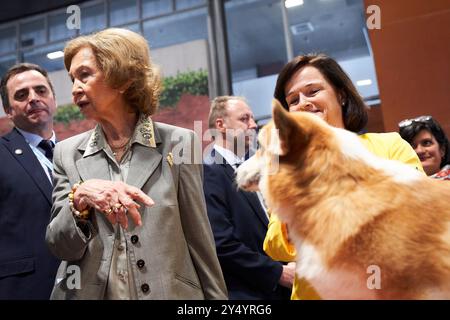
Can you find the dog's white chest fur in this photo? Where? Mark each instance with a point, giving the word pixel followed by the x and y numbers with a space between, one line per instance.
pixel 309 264
pixel 330 283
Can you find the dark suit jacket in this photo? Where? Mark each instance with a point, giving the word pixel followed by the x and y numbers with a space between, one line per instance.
pixel 239 225
pixel 27 268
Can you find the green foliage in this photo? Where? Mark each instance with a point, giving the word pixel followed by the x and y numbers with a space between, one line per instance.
pixel 67 113
pixel 192 82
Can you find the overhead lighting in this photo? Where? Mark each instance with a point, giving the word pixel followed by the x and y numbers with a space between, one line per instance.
pixel 293 3
pixel 55 55
pixel 366 82
pixel 304 27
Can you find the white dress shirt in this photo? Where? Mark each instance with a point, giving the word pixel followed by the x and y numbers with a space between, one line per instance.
pixel 33 140
pixel 233 160
pixel 229 156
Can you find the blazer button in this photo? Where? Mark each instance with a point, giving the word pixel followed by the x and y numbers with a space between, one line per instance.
pixel 134 239
pixel 140 263
pixel 145 288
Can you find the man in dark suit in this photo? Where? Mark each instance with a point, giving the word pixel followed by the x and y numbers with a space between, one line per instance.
pixel 27 268
pixel 238 219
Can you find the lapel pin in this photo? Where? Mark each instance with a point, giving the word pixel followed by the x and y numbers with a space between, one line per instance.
pixel 170 158
pixel 18 151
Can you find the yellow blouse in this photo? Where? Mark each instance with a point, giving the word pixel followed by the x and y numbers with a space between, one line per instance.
pixel 276 244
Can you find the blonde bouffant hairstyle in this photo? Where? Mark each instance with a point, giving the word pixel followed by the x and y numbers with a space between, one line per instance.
pixel 124 58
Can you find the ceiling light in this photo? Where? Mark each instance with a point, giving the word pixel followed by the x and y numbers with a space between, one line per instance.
pixel 366 82
pixel 292 3
pixel 55 55
pixel 304 27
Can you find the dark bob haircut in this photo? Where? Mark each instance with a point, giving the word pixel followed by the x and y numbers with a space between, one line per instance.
pixel 354 111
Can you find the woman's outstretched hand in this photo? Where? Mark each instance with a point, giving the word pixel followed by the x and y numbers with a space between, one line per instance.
pixel 115 199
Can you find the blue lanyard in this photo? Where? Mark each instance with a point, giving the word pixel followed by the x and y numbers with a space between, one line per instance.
pixel 43 159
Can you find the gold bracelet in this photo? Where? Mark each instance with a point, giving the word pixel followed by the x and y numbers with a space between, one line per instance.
pixel 80 215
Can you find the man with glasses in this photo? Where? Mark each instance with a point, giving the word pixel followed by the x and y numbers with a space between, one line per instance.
pixel 27 268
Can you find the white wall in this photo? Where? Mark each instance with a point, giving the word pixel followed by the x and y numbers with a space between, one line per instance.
pixel 258 92
pixel 361 69
pixel 62 85
pixel 181 57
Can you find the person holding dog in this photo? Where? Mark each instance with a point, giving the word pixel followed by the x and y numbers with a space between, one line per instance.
pixel 317 84
pixel 431 144
pixel 129 217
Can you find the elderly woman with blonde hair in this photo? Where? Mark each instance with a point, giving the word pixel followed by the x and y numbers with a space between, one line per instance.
pixel 128 218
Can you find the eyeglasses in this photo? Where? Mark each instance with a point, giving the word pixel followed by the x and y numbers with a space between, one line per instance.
pixel 408 122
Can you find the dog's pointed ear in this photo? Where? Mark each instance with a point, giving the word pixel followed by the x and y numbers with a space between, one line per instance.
pixel 285 124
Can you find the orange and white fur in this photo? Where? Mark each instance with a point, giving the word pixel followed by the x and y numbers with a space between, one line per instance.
pixel 363 227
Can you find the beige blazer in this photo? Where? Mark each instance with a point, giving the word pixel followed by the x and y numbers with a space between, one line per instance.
pixel 175 240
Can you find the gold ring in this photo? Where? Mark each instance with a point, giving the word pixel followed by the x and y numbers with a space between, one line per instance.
pixel 118 205
pixel 108 211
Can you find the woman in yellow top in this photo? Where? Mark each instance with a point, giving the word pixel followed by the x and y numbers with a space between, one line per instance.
pixel 317 84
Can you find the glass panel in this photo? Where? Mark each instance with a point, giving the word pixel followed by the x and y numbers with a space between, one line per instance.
pixel 39 56
pixel 133 27
pixel 6 62
pixel 177 28
pixel 151 8
pixel 32 33
pixel 179 47
pixel 256 49
pixel 258 52
pixel 93 18
pixel 338 29
pixel 332 27
pixel 122 11
pixel 8 40
pixel 58 29
pixel 185 4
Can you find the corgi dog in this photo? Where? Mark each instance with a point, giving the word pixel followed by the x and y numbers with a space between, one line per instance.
pixel 363 227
